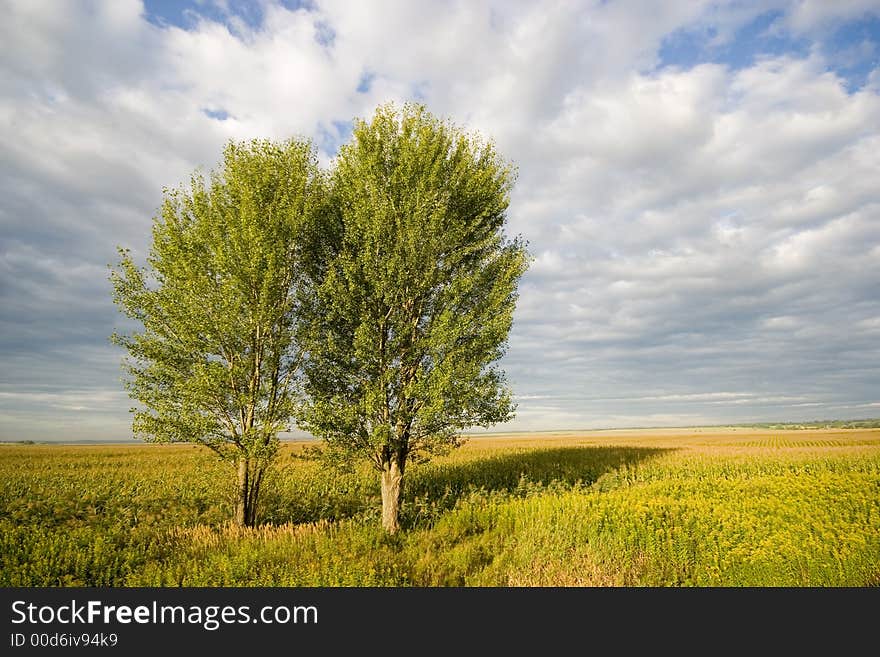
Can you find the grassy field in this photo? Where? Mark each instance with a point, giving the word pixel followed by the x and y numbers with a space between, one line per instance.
pixel 710 507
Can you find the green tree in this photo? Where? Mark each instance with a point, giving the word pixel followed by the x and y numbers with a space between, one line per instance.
pixel 217 361
pixel 415 301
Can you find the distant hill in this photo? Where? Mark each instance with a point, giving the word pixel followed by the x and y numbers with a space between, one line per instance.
pixel 873 423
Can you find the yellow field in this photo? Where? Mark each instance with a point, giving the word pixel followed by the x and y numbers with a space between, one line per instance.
pixel 719 507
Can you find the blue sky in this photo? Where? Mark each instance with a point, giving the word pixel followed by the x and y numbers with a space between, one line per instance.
pixel 697 185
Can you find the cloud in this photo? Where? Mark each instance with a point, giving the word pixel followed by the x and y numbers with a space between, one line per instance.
pixel 705 231
pixel 816 16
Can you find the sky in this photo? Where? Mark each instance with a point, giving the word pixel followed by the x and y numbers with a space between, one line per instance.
pixel 698 185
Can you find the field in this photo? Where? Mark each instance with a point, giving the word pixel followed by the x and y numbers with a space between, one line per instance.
pixel 696 507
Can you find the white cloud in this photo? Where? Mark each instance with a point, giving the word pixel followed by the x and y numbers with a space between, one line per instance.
pixel 811 16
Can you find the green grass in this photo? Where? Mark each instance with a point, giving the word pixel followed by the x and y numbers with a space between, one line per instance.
pixel 718 508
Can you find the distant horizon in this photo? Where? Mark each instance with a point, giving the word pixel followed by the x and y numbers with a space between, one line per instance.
pixel 310 438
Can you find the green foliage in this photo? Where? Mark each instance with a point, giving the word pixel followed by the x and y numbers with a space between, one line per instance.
pixel 413 307
pixel 215 361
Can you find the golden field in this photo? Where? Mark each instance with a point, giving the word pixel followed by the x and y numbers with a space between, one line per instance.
pixel 670 507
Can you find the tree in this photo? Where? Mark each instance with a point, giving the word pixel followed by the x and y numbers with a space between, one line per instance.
pixel 415 300
pixel 217 360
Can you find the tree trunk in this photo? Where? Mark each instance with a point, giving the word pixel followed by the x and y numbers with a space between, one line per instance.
pixel 254 495
pixel 250 476
pixel 392 494
pixel 243 507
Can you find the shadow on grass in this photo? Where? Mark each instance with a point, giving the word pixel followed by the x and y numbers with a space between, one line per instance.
pixel 439 486
pixel 436 487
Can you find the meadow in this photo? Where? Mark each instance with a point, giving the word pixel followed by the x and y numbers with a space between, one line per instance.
pixel 695 507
